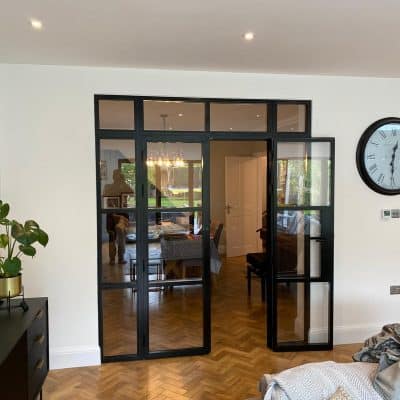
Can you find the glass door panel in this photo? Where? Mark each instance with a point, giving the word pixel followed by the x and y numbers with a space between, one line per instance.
pixel 174 175
pixel 177 242
pixel 119 322
pixel 301 296
pixel 175 317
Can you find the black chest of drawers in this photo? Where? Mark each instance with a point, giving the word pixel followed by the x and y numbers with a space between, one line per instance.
pixel 24 350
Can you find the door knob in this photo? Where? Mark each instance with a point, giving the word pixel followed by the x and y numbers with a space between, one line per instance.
pixel 228 208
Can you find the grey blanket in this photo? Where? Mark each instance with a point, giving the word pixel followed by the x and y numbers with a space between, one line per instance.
pixel 384 349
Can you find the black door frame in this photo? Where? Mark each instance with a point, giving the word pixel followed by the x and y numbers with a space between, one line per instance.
pixel 327 255
pixel 141 138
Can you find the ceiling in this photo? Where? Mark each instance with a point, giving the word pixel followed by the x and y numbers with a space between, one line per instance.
pixel 341 37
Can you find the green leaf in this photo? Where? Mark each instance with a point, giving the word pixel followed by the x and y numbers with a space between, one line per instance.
pixel 16 229
pixel 3 241
pixel 28 250
pixel 31 225
pixel 12 266
pixel 4 210
pixel 42 238
pixel 27 238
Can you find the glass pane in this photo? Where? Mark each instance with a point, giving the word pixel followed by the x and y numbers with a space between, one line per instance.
pixel 116 114
pixel 303 315
pixel 303 175
pixel 176 246
pixel 173 116
pixel 291 118
pixel 293 238
pixel 290 312
pixel 174 172
pixel 117 173
pixel 176 318
pixel 315 259
pixel 119 322
pixel 118 248
pixel 319 312
pixel 243 117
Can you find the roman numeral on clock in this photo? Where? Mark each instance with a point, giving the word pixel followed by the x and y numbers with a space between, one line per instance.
pixel 371 156
pixel 381 178
pixel 373 168
pixel 383 134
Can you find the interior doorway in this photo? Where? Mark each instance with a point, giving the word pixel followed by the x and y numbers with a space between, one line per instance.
pixel 238 202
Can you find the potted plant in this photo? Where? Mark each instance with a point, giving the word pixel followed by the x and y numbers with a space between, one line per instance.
pixel 17 240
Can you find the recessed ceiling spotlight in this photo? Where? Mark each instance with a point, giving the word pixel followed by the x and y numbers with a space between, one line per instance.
pixel 180 115
pixel 258 116
pixel 36 24
pixel 248 36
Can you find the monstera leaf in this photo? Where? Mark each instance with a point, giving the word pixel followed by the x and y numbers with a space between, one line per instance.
pixel 17 236
pixel 12 266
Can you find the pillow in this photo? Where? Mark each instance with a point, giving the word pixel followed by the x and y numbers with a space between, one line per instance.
pixel 340 394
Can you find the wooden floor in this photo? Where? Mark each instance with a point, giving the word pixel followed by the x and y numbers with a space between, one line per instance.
pixel 238 358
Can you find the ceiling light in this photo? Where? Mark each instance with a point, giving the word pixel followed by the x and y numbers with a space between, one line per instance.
pixel 248 36
pixel 36 24
pixel 258 116
pixel 180 115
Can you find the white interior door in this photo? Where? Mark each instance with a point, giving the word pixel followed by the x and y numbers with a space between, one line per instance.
pixel 242 203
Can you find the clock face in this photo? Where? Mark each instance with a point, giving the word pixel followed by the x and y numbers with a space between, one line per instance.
pixel 378 156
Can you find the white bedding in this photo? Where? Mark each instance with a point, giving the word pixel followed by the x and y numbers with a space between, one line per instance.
pixel 318 381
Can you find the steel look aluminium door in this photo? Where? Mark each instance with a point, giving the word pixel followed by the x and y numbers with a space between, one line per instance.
pixel 300 285
pixel 176 240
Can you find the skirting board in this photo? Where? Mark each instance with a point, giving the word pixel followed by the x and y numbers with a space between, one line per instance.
pixel 355 333
pixel 70 357
pixel 345 334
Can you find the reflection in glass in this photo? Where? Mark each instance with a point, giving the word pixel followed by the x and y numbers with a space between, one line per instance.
pixel 117 173
pixel 173 115
pixel 290 309
pixel 293 240
pixel 240 117
pixel 291 118
pixel 116 114
pixel 118 237
pixel 176 318
pixel 296 325
pixel 119 322
pixel 174 172
pixel 319 312
pixel 303 174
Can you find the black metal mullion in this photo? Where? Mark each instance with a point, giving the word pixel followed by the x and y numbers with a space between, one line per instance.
pixel 141 232
pixel 206 218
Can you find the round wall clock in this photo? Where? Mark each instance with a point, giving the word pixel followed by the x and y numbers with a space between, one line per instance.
pixel 378 156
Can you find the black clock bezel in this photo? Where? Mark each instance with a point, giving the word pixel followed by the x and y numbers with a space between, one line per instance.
pixel 360 156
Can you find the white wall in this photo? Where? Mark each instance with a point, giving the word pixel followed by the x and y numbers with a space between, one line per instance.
pixel 47 163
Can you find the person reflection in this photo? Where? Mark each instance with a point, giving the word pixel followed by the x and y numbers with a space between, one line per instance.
pixel 117 223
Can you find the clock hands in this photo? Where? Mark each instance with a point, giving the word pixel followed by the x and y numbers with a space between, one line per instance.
pixel 392 161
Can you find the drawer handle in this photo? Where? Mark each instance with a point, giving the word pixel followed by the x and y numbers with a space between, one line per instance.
pixel 39 339
pixel 39 364
pixel 39 314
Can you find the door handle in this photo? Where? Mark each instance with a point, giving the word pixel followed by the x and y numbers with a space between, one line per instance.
pixel 228 208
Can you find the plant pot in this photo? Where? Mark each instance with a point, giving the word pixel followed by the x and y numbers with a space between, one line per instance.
pixel 11 286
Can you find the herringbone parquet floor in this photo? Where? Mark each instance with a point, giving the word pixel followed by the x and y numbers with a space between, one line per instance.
pixel 238 358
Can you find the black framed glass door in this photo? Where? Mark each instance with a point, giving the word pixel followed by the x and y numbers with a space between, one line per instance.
pixel 300 304
pixel 153 214
pixel 177 241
